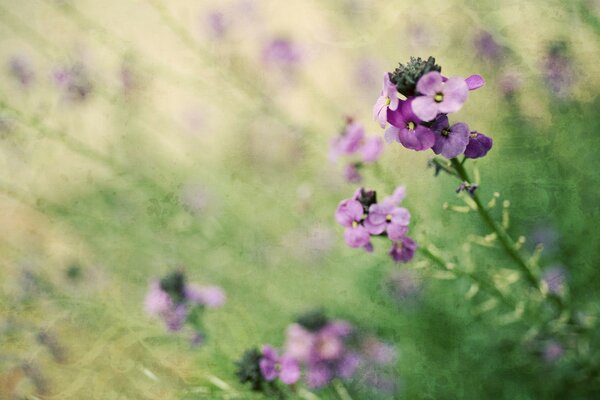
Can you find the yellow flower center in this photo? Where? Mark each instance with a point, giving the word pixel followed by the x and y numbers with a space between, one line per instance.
pixel 354 224
pixel 439 97
pixel 388 101
pixel 410 125
pixel 388 217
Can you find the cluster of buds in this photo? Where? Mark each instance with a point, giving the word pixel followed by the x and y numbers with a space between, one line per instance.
pixel 416 100
pixel 363 218
pixel 177 302
pixel 357 148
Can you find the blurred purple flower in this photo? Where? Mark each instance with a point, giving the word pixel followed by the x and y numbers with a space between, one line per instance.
pixel 217 24
pixel 273 366
pixel 378 351
pixel 406 128
pixel 555 278
pixel 439 96
pixel 209 296
pixel 175 317
pixel 478 145
pixel 388 100
pixel 403 250
pixel 349 142
pixel 21 70
pixel 351 174
pixel 404 284
pixel 558 69
pixel 74 81
pixel 449 141
pixel 282 53
pixel 299 342
pixel 157 300
pixel 487 47
pixel 372 149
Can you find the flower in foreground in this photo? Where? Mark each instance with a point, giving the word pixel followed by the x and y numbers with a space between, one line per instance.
pixel 406 128
pixel 452 140
pixel 388 99
pixel 439 96
pixel 478 145
pixel 403 250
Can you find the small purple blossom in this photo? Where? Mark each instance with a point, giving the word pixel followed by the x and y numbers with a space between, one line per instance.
pixel 273 366
pixel 217 24
pixel 157 300
pixel 74 81
pixel 21 70
pixel 403 250
pixel 478 146
pixel 388 100
pixel 439 96
pixel 555 278
pixel 350 214
pixel 351 174
pixel 282 53
pixel 487 47
pixel 175 317
pixel 372 149
pixel 386 217
pixel 209 296
pixel 349 142
pixel 449 141
pixel 406 128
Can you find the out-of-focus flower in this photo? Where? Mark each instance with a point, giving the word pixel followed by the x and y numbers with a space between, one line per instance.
pixel 478 145
pixel 388 100
pixel 450 141
pixel 352 174
pixel 403 250
pixel 555 278
pixel 282 53
pixel 75 82
pixel 272 366
pixel 372 149
pixel 20 69
pixel 439 96
pixel 378 351
pixel 404 284
pixel 217 24
pixel 209 296
pixel 558 69
pixel 487 47
pixel 509 83
pixel 553 351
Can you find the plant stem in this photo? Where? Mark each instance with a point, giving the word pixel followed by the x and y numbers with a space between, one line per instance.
pixel 505 240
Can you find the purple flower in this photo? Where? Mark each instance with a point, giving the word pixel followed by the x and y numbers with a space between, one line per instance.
pixel 478 145
pixel 175 317
pixel 217 24
pixel 555 279
pixel 268 363
pixel 299 342
pixel 351 174
pixel 157 300
pixel 282 53
pixel 379 352
pixel 273 366
pixel 388 99
pixel 403 250
pixel 387 217
pixel 348 365
pixel 553 351
pixel 397 197
pixel 407 129
pixel 449 141
pixel 487 47
pixel 372 149
pixel 318 375
pixel 348 212
pixel 439 96
pixel 209 296
pixel 357 236
pixel 349 142
pixel 21 70
pixel 75 81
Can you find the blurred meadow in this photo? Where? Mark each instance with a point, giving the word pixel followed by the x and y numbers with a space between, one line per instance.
pixel 140 136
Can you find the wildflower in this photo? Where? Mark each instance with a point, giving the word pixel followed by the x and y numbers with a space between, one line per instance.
pixel 558 69
pixel 403 250
pixel 439 96
pixel 487 47
pixel 350 214
pixel 351 173
pixel 209 296
pixel 407 129
pixel 273 366
pixel 555 278
pixel 388 100
pixel 75 81
pixel 348 142
pixel 372 149
pixel 478 146
pixel 21 70
pixel 282 53
pixel 450 141
pixel 386 217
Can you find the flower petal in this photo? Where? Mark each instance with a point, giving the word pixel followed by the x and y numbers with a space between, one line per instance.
pixel 425 107
pixel 430 83
pixel 455 92
pixel 475 82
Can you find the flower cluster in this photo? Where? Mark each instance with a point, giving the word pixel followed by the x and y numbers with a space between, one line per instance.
pixel 419 121
pixel 176 302
pixel 363 217
pixel 318 348
pixel 359 149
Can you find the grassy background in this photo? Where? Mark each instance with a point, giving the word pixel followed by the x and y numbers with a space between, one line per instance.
pixel 94 196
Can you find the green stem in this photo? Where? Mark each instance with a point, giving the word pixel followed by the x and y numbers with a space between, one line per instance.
pixel 505 240
pixel 427 253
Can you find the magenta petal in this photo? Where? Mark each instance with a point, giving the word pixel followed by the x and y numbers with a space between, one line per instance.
pixel 425 107
pixel 419 139
pixel 475 82
pixel 290 370
pixel 396 118
pixel 430 83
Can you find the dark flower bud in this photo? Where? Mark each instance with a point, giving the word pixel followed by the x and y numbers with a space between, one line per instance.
pixel 405 77
pixel 366 198
pixel 174 285
pixel 248 369
pixel 313 320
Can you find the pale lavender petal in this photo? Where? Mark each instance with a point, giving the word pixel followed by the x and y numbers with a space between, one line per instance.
pixel 455 93
pixel 396 231
pixel 401 216
pixel 356 236
pixel 372 149
pixel 398 195
pixel 290 370
pixel 425 107
pixel 380 111
pixel 348 211
pixel 430 83
pixel 475 82
pixel 157 300
pixel 391 134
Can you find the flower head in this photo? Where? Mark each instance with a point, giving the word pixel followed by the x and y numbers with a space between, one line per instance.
pixel 452 140
pixel 439 96
pixel 478 145
pixel 407 129
pixel 403 250
pixel 405 77
pixel 388 99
